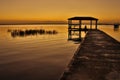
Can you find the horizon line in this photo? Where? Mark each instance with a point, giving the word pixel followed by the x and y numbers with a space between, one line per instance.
pixel 51 23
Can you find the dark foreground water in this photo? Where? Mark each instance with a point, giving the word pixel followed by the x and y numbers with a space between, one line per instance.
pixel 37 52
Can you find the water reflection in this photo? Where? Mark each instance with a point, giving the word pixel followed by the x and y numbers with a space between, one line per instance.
pixel 76 35
pixel 35 56
pixel 23 33
pixel 116 29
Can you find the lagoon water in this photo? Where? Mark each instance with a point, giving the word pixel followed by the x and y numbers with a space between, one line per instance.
pixel 38 56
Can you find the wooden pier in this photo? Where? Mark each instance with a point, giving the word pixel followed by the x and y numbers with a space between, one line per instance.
pixel 97 58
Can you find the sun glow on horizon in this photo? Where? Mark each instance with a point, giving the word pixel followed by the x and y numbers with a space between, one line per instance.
pixel 58 10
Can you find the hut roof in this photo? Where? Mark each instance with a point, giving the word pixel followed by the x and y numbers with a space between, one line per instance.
pixel 82 18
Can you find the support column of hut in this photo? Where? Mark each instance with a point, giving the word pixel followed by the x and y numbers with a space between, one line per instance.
pixel 90 24
pixel 96 23
pixel 80 23
pixel 69 29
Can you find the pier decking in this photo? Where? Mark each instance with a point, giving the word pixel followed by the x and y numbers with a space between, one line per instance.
pixel 97 58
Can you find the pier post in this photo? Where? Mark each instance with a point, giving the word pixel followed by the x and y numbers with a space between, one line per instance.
pixel 69 34
pixel 96 23
pixel 90 24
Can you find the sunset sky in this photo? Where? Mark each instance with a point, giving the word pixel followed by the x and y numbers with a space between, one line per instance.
pixel 58 10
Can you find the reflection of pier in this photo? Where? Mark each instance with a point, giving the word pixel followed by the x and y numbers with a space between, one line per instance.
pixel 75 26
pixel 75 34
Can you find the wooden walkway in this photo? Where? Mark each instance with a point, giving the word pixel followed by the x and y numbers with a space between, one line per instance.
pixel 97 58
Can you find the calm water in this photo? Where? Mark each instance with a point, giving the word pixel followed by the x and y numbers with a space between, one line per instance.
pixel 38 56
pixel 109 29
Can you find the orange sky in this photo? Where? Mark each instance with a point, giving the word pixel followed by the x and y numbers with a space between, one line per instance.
pixel 58 10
